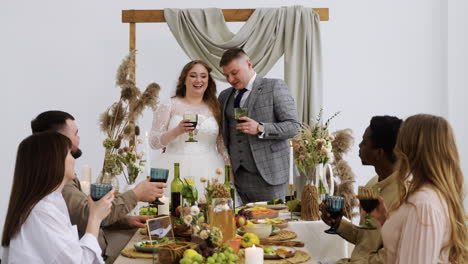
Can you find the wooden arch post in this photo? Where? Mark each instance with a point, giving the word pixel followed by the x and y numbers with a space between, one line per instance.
pixel 157 16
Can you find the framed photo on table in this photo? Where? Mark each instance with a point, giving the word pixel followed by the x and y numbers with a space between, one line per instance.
pixel 159 227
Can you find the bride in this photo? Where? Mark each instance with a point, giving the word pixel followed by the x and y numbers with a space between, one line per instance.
pixel 195 94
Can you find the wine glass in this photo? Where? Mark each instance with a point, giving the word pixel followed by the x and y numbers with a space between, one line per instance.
pixel 193 119
pixel 238 113
pixel 334 206
pixel 158 175
pixel 368 198
pixel 98 190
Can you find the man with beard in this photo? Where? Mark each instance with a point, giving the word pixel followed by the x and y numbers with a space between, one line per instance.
pixel 76 199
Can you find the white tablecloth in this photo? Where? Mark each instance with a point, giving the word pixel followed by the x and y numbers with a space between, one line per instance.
pixel 323 247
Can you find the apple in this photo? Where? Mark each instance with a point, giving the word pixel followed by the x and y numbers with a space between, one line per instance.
pixel 240 221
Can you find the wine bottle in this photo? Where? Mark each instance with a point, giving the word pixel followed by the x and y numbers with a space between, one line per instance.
pixel 176 188
pixel 227 182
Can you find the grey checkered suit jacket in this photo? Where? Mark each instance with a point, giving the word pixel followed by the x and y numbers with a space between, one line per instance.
pixel 270 103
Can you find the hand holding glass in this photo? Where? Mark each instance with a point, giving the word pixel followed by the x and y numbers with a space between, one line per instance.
pixel 238 113
pixel 193 119
pixel 158 175
pixel 368 198
pixel 98 190
pixel 334 206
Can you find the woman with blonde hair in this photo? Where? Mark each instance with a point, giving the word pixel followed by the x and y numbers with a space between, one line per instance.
pixel 428 224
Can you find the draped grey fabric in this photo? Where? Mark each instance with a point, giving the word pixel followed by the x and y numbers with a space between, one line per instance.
pixel 268 34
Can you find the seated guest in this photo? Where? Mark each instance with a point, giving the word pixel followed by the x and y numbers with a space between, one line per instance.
pixel 375 149
pixel 37 226
pixel 427 224
pixel 145 191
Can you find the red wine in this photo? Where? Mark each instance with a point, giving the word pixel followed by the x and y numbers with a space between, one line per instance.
pixel 369 204
pixel 335 215
pixel 157 180
pixel 194 124
pixel 175 202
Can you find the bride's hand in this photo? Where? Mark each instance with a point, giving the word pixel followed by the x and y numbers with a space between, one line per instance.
pixel 184 127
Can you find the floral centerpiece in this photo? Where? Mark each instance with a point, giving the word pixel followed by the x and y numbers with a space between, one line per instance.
pixel 312 149
pixel 120 125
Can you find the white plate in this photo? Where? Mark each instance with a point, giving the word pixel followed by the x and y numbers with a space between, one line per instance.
pixel 274 256
pixel 276 206
pixel 256 203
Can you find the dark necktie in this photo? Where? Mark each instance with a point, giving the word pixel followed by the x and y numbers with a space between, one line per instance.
pixel 238 98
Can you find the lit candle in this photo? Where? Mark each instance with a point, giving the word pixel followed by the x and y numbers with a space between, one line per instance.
pixel 253 255
pixel 164 208
pixel 291 164
pixel 86 173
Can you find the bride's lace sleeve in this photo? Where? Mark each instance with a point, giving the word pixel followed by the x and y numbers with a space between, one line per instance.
pixel 161 118
pixel 222 150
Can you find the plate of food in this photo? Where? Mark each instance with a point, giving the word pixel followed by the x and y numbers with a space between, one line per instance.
pixel 147 246
pixel 242 230
pixel 278 252
pixel 276 204
pixel 150 246
pixel 256 204
pixel 277 222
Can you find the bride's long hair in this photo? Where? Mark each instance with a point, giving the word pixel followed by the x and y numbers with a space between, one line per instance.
pixel 427 154
pixel 209 97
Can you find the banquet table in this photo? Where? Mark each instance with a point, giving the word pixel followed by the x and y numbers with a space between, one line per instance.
pixel 320 245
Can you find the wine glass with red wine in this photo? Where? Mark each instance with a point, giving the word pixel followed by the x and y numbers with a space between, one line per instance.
pixel 158 175
pixel 193 119
pixel 334 205
pixel 368 198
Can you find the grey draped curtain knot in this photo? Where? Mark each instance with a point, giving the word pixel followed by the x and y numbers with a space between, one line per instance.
pixel 268 34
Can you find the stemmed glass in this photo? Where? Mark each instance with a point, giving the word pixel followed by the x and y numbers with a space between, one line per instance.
pixel 334 206
pixel 158 175
pixel 193 119
pixel 368 198
pixel 238 113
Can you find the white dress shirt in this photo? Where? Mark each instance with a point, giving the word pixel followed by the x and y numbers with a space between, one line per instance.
pixel 47 236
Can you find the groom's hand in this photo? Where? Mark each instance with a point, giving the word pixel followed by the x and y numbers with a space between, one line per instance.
pixel 249 126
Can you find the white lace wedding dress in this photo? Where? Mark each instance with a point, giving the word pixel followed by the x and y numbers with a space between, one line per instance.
pixel 197 159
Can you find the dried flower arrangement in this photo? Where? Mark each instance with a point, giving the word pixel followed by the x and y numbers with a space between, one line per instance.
pixel 341 145
pixel 312 146
pixel 119 123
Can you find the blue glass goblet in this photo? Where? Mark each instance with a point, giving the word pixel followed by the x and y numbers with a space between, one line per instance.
pixel 334 206
pixel 158 175
pixel 98 190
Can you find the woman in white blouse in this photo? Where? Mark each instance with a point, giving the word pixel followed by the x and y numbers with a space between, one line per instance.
pixel 428 225
pixel 37 226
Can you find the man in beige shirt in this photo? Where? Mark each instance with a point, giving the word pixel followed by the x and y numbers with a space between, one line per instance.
pixel 76 199
pixel 375 149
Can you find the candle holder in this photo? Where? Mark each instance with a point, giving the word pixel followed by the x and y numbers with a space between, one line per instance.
pixel 291 194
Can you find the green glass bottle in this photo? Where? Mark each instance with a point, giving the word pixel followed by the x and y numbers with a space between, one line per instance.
pixel 176 188
pixel 228 184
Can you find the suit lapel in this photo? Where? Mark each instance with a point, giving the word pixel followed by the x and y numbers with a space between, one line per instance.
pixel 225 124
pixel 256 90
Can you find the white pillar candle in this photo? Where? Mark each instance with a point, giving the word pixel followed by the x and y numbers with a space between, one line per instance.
pixel 164 208
pixel 291 165
pixel 253 255
pixel 85 185
pixel 86 173
pixel 148 154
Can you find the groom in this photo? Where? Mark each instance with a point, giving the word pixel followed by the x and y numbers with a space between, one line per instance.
pixel 260 154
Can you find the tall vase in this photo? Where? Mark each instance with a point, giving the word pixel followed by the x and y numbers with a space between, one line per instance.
pixel 112 179
pixel 222 217
pixel 310 198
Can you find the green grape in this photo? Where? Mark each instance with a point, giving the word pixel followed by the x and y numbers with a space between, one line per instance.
pixel 221 256
pixel 198 258
pixel 195 262
pixel 232 257
pixel 215 255
pixel 210 260
pixel 185 261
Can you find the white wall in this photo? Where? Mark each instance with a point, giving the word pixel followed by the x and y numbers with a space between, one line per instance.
pixel 379 57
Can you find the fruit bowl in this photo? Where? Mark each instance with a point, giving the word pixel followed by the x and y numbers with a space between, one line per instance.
pixel 261 230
